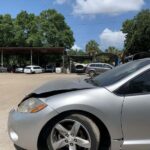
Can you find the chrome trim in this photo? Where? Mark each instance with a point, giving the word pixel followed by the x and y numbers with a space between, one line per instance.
pixel 137 142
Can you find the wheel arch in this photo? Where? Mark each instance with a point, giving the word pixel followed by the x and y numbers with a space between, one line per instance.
pixel 105 140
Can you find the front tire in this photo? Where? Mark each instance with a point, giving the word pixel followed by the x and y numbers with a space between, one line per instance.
pixel 75 132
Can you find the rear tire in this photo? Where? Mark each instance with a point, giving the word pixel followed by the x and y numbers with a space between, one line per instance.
pixel 75 132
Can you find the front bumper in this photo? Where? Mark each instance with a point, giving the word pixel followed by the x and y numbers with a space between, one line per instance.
pixel 24 128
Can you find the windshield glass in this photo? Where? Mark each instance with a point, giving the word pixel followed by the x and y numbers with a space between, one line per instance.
pixel 112 76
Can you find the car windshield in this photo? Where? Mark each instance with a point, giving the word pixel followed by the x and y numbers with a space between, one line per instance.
pixel 28 68
pixel 36 68
pixel 79 67
pixel 118 73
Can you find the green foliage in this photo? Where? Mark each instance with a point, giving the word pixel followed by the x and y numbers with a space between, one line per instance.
pixel 137 32
pixel 49 29
pixel 54 31
pixel 6 30
pixel 92 48
pixel 113 50
pixel 73 52
pixel 81 53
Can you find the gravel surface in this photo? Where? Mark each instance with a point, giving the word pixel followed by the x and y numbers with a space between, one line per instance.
pixel 13 87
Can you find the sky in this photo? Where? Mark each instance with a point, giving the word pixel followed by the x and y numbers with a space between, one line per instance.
pixel 99 20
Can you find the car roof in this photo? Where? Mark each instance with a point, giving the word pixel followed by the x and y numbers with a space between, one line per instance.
pixel 99 63
pixel 32 66
pixel 142 61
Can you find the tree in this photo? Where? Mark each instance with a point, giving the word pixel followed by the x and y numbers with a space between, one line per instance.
pixel 27 31
pixel 113 50
pixel 92 49
pixel 54 30
pixel 137 32
pixel 6 31
pixel 75 52
pixel 49 29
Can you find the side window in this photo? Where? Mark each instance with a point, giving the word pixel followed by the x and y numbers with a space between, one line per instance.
pixel 139 85
pixel 92 65
pixel 99 65
pixel 36 68
pixel 107 66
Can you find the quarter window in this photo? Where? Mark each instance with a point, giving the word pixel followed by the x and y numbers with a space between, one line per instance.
pixel 107 66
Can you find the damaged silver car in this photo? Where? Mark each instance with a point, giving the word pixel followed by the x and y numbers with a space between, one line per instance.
pixel 108 112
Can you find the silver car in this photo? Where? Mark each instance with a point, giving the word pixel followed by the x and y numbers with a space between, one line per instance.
pixel 94 69
pixel 108 112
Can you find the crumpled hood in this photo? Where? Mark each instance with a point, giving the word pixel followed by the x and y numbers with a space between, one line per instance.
pixel 63 84
pixel 56 87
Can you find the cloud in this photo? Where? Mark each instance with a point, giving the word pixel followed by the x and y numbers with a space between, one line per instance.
pixel 76 47
pixel 111 38
pixel 60 1
pixel 111 7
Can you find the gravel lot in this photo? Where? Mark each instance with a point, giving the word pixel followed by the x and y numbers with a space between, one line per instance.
pixel 13 87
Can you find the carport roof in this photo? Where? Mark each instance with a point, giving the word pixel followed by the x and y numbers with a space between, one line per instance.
pixel 54 50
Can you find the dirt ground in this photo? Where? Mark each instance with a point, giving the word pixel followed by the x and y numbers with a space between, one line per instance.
pixel 13 87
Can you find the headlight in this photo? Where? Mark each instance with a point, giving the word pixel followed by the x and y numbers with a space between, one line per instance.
pixel 31 105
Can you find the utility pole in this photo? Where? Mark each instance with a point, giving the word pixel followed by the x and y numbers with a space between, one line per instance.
pixel 2 58
pixel 63 58
pixel 31 55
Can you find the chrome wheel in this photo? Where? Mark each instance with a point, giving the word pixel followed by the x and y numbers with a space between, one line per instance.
pixel 70 135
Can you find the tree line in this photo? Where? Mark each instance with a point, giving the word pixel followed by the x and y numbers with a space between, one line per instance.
pixel 137 32
pixel 48 29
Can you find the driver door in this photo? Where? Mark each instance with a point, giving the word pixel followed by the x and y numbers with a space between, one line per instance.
pixel 136 113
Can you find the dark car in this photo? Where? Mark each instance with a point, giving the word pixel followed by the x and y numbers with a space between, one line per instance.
pixel 3 69
pixel 80 68
pixel 50 68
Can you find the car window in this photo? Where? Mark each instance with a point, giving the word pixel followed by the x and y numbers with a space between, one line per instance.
pixel 92 65
pixel 79 67
pixel 28 68
pixel 50 66
pixel 118 73
pixel 107 66
pixel 36 68
pixel 138 85
pixel 99 65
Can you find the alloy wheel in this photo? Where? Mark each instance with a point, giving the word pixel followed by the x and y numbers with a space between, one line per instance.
pixel 70 135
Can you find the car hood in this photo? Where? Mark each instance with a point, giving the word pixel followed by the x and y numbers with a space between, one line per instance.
pixel 64 84
pixel 56 87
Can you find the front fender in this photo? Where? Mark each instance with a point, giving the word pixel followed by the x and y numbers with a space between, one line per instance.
pixel 99 102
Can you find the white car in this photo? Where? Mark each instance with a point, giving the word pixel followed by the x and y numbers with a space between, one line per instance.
pixel 33 69
pixel 19 70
